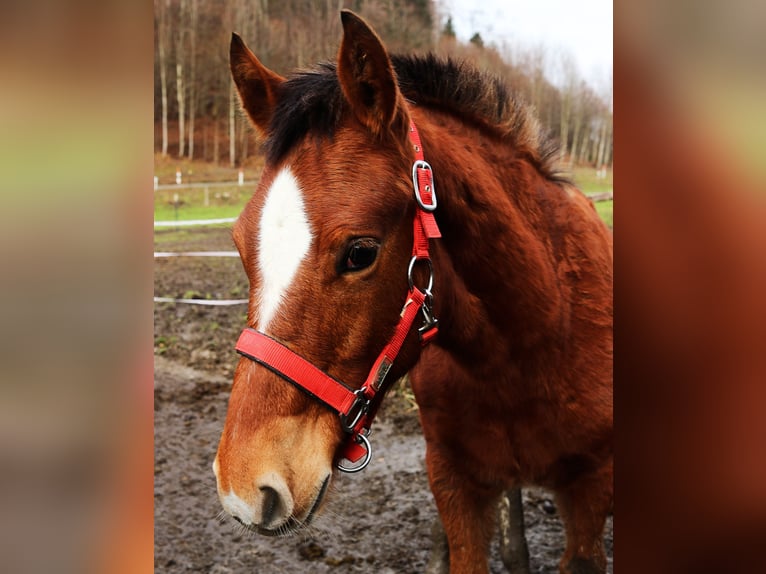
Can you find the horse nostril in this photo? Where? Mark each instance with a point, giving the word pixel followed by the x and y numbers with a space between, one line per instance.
pixel 271 503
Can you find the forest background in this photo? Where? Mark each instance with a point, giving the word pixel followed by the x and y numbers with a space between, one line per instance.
pixel 196 108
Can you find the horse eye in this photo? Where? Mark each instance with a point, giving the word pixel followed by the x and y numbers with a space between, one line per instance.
pixel 361 254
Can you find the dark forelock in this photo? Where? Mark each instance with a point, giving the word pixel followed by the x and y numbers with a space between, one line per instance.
pixel 312 102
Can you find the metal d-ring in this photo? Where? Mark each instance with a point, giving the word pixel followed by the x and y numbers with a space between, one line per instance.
pixel 364 463
pixel 411 282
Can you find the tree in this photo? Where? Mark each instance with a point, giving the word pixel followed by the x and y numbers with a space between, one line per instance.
pixel 192 73
pixel 449 29
pixel 180 34
pixel 194 92
pixel 160 11
pixel 577 115
pixel 569 77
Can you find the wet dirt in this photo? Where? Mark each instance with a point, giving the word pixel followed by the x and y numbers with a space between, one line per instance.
pixel 377 521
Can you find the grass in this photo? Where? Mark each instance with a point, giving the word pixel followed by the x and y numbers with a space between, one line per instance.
pixel 227 201
pixel 605 210
pixel 585 178
pixel 186 212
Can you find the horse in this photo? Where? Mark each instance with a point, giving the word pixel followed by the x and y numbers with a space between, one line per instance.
pixel 411 218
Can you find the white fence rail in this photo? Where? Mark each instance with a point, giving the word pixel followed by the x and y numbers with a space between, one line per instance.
pixel 206 302
pixel 190 222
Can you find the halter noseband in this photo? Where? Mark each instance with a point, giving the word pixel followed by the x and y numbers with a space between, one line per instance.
pixel 357 408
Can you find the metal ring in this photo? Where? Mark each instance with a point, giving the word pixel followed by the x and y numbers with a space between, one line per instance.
pixel 414 260
pixel 364 463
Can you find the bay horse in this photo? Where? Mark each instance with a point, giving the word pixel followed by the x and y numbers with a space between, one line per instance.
pixel 406 201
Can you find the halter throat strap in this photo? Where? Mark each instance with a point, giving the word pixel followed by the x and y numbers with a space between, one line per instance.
pixel 357 408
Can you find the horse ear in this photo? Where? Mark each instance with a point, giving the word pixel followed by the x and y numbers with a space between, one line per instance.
pixel 256 84
pixel 366 75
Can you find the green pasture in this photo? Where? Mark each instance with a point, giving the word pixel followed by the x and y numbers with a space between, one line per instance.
pixel 228 201
pixel 185 203
pixel 605 210
pixel 585 179
pixel 187 212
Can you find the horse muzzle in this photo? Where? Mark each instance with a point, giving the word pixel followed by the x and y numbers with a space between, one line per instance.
pixel 270 509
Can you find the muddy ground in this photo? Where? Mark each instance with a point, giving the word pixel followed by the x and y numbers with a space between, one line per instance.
pixel 377 521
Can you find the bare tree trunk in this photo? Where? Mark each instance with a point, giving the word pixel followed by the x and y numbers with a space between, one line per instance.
pixel 161 40
pixel 570 99
pixel 588 146
pixel 590 156
pixel 576 128
pixel 193 75
pixel 608 143
pixel 581 146
pixel 180 83
pixel 216 138
pixel 205 132
pixel 181 107
pixel 601 144
pixel 232 125
pixel 566 108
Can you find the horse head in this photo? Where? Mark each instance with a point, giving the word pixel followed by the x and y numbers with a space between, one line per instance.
pixel 325 241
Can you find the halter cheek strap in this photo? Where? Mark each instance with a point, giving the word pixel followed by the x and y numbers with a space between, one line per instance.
pixel 357 408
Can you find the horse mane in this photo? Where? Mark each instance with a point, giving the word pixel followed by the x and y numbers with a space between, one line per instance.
pixel 311 101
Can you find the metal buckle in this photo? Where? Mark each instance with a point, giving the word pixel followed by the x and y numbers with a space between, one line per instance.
pixel 367 457
pixel 358 409
pixel 420 164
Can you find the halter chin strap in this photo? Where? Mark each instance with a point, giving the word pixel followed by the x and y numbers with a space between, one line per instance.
pixel 357 408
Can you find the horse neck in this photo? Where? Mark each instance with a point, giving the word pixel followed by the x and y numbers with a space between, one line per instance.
pixel 497 290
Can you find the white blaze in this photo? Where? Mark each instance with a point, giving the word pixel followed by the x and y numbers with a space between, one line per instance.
pixel 284 239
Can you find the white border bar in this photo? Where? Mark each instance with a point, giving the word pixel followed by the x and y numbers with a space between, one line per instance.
pixel 211 302
pixel 186 222
pixel 196 254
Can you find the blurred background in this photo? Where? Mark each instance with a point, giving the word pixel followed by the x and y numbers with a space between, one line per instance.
pixel 82 137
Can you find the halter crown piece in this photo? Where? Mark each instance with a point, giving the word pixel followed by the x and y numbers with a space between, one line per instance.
pixel 357 408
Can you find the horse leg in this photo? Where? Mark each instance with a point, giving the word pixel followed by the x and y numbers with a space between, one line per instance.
pixel 467 513
pixel 438 561
pixel 584 505
pixel 513 542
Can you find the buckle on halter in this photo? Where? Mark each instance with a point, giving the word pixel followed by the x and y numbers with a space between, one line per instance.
pixel 359 408
pixel 420 164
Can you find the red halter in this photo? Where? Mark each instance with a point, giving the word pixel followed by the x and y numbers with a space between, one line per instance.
pixel 357 408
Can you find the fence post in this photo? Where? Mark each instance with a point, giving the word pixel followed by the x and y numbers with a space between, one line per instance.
pixel 241 177
pixel 175 206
